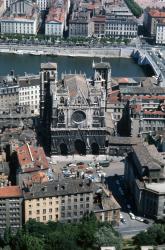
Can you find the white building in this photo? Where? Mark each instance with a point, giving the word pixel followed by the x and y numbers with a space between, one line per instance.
pixel 21 18
pixel 160 33
pixel 43 4
pixel 29 92
pixel 124 28
pixel 19 25
pixel 55 22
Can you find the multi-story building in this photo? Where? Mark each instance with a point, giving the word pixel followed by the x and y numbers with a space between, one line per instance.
pixel 120 27
pixel 98 26
pixel 55 22
pixel 43 4
pixel 160 32
pixel 68 201
pixel 11 198
pixel 73 110
pixel 9 92
pixel 29 159
pixel 59 201
pixel 145 179
pixel 20 92
pixel 151 19
pixel 80 24
pixel 29 92
pixel 21 18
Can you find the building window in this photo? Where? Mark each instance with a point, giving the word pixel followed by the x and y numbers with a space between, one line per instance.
pixel 50 210
pixel 44 218
pixel 50 217
pixel 44 211
pixel 38 211
pixel 30 212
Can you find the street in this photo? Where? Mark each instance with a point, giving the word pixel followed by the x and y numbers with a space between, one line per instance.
pixel 115 181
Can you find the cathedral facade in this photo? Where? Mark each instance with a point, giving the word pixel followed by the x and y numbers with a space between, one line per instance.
pixel 72 110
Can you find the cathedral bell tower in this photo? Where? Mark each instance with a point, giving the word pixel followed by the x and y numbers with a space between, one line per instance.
pixel 104 70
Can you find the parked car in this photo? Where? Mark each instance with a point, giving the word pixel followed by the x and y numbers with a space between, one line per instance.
pixel 132 216
pixel 139 219
pixel 123 221
pixel 146 221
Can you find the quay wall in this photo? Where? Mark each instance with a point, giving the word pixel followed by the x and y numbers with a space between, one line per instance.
pixel 67 51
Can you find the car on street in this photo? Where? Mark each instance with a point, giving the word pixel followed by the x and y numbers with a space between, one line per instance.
pixel 123 221
pixel 139 219
pixel 132 216
pixel 146 221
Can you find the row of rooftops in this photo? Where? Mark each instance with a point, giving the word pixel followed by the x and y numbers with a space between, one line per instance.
pixel 62 188
pixel 11 81
pixel 156 13
pixel 56 15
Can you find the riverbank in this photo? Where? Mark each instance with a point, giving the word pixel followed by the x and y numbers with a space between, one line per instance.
pixel 106 52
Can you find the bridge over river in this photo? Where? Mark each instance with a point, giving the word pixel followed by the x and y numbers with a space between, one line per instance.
pixel 144 57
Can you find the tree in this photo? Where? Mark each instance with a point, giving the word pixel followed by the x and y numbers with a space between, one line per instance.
pixel 25 241
pixel 106 236
pixel 7 236
pixel 155 235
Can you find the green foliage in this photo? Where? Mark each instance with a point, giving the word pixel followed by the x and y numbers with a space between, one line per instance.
pixel 88 234
pixel 134 7
pixel 106 236
pixel 155 235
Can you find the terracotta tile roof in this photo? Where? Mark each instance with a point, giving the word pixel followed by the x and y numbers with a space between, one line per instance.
pixel 31 157
pixel 39 177
pixel 10 191
pixel 146 112
pixel 157 13
pixel 56 14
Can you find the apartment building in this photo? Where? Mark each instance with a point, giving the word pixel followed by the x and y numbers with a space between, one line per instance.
pixel 151 19
pixel 29 159
pixel 68 200
pixel 145 179
pixel 120 27
pixel 160 32
pixel 59 201
pixel 80 24
pixel 21 18
pixel 11 199
pixel 29 92
pixel 98 26
pixel 55 22
pixel 43 4
pixel 9 93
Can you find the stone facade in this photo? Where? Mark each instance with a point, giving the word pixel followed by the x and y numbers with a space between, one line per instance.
pixel 73 110
pixel 145 176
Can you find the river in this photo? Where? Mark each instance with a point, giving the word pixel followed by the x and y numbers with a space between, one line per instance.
pixel 125 67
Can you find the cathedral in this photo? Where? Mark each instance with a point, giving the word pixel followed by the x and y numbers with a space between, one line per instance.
pixel 72 110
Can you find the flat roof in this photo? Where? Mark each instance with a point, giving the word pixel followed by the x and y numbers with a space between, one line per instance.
pixel 157 187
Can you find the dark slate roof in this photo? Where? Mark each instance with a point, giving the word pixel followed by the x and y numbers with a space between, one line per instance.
pixel 145 158
pixel 117 140
pixel 102 65
pixel 143 90
pixel 59 188
pixel 26 82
